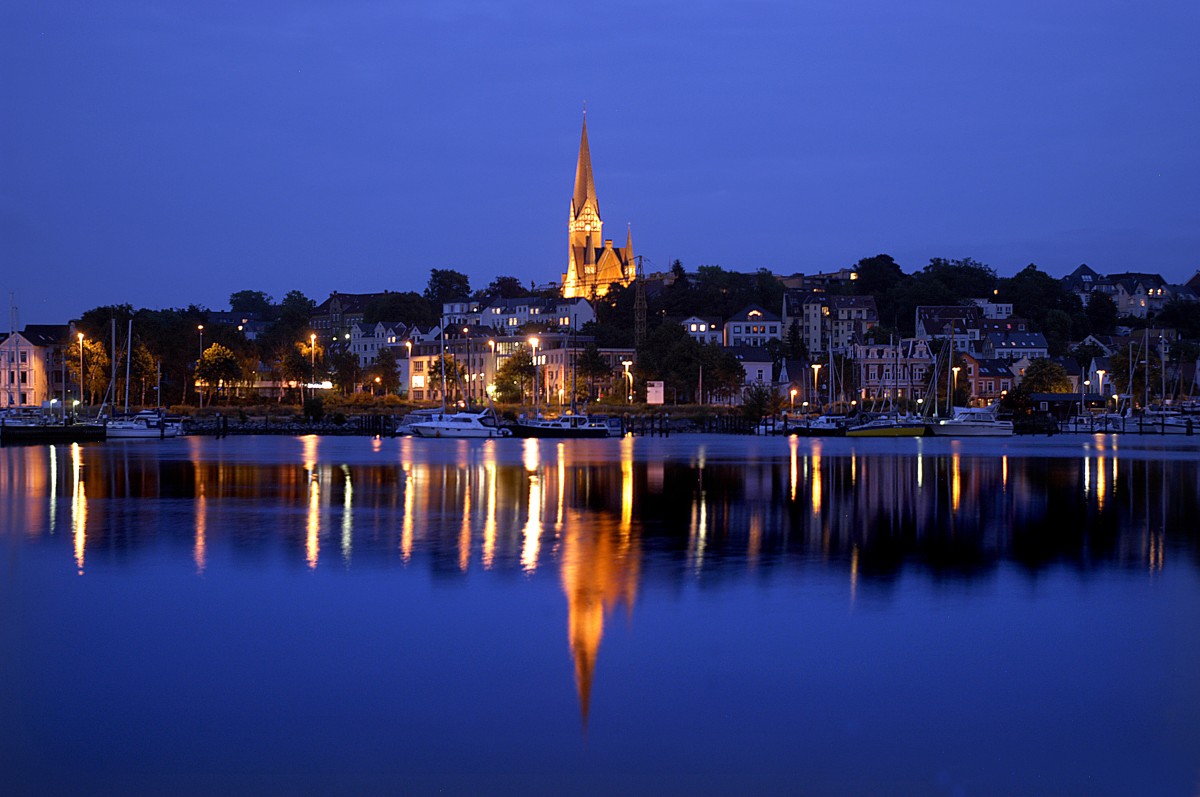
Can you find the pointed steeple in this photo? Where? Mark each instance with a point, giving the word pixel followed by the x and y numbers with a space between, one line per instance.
pixel 585 185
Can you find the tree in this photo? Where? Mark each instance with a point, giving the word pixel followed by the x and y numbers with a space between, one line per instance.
pixel 963 279
pixel 1034 295
pixel 446 285
pixel 295 310
pixel 95 367
pixel 454 375
pixel 1180 315
pixel 385 369
pixel 254 303
pixel 1101 314
pixel 143 368
pixel 503 287
pixel 407 306
pixel 1043 375
pixel 346 370
pixel 1146 379
pixel 512 376
pixel 592 366
pixel 218 368
pixel 723 373
pixel 760 400
pixel 1083 354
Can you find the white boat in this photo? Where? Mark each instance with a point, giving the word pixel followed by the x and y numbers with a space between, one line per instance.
pixel 461 424
pixel 973 422
pixel 146 425
pixel 405 426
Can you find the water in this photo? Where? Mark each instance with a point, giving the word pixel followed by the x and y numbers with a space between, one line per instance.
pixel 708 615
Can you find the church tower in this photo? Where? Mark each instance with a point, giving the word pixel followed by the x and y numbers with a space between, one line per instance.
pixel 592 262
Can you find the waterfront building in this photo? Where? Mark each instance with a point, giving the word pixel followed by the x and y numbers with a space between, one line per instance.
pixel 593 263
pixel 894 370
pixel 31 365
pixel 828 323
pixel 751 326
pixel 961 323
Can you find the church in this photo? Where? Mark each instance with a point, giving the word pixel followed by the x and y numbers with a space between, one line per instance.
pixel 593 263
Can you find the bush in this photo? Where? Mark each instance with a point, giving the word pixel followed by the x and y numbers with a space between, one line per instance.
pixel 314 409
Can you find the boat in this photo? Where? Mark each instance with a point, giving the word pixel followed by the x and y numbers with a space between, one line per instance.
pixel 461 425
pixel 145 425
pixel 32 426
pixel 405 425
pixel 822 425
pixel 887 427
pixel 973 422
pixel 569 426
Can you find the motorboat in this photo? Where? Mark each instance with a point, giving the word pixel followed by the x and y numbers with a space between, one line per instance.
pixel 404 427
pixel 973 422
pixel 888 427
pixel 460 425
pixel 145 425
pixel 570 426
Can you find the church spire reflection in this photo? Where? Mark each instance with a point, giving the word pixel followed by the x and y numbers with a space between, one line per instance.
pixel 599 571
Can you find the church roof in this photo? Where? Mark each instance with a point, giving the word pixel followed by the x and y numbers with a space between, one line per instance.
pixel 585 184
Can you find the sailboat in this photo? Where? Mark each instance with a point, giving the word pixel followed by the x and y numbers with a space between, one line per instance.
pixel 891 424
pixel 145 425
pixel 463 424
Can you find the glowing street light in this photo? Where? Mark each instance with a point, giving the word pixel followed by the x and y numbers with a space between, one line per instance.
pixel 816 393
pixel 954 384
pixel 793 393
pixel 533 344
pixel 200 399
pixel 80 368
pixel 629 378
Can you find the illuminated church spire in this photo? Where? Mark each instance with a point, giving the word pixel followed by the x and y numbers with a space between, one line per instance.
pixel 592 261
pixel 585 183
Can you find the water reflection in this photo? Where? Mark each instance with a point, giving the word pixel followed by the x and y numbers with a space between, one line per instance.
pixel 867 518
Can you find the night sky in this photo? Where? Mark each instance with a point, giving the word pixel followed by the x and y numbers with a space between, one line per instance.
pixel 168 153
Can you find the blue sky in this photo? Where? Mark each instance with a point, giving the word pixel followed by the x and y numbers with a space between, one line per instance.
pixel 166 153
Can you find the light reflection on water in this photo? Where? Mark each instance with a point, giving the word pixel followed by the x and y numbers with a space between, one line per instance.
pixel 615 520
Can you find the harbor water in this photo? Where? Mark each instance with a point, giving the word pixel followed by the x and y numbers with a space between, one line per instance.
pixel 699 614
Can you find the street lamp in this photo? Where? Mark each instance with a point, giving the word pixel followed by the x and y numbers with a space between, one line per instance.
pixel 200 393
pixel 816 393
pixel 954 384
pixel 378 381
pixel 312 351
pixel 533 344
pixel 80 367
pixel 629 378
pixel 491 382
pixel 470 373
pixel 793 393
pixel 1100 372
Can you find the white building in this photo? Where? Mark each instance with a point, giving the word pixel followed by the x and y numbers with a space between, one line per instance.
pixel 702 330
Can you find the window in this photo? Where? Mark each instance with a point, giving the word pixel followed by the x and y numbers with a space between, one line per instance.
pixel 695 327
pixel 24 357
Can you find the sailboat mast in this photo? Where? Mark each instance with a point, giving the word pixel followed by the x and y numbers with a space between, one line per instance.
pixel 443 337
pixel 128 359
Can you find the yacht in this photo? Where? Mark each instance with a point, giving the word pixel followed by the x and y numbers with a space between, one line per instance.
pixel 562 426
pixel 888 427
pixel 460 425
pixel 146 425
pixel 973 422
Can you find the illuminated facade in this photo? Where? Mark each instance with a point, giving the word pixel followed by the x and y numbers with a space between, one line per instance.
pixel 593 263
